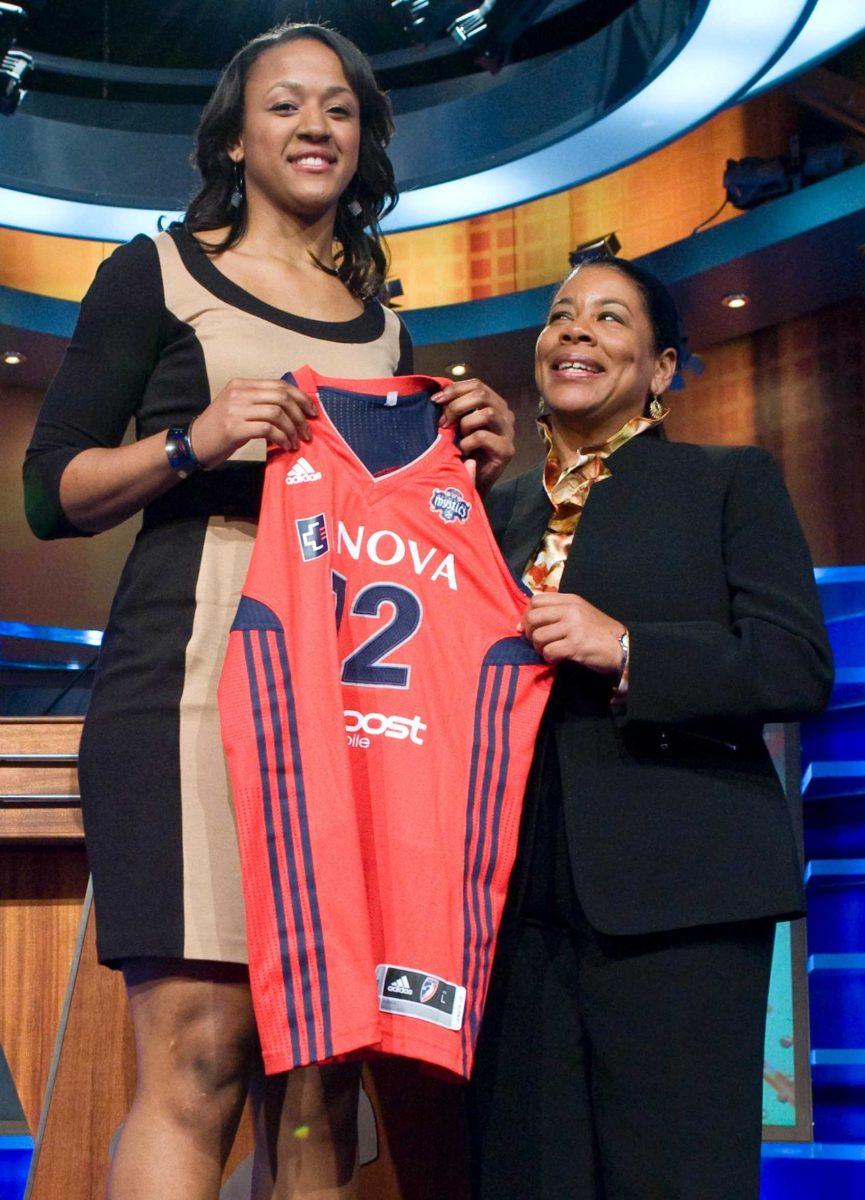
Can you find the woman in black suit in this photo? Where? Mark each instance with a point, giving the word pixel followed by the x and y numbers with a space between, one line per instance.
pixel 621 1052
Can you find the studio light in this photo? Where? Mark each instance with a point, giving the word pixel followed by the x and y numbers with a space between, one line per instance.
pixel 12 18
pixel 607 244
pixel 753 181
pixel 391 290
pixel 487 29
pixel 14 71
pixel 470 24
pixel 413 10
pixel 15 66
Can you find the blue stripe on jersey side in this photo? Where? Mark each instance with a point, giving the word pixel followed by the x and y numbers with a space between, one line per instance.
pixel 484 960
pixel 273 863
pixel 468 931
pixel 282 792
pixel 306 843
pixel 484 926
pixel 481 802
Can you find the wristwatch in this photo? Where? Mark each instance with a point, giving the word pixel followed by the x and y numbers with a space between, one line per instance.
pixel 178 449
pixel 624 641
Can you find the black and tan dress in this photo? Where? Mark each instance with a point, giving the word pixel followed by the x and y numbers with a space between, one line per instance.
pixel 160 333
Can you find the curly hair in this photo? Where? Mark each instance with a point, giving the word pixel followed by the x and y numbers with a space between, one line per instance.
pixel 361 257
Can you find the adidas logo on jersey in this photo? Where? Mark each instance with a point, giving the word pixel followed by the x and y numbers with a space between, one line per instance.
pixel 302 472
pixel 401 986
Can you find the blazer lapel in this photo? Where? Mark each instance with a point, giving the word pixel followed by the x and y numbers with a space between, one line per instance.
pixel 527 522
pixel 609 515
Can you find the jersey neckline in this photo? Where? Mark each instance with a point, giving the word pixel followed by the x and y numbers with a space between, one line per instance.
pixel 309 381
pixel 365 327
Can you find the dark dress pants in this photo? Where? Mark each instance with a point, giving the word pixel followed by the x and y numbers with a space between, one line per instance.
pixel 615 1068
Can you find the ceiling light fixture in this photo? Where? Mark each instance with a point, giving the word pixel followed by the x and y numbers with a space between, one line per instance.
pixel 736 300
pixel 457 370
pixel 13 358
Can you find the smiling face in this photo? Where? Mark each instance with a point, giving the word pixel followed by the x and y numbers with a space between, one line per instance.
pixel 595 359
pixel 301 130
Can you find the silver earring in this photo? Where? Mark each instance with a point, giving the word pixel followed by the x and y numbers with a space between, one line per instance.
pixel 236 198
pixel 355 208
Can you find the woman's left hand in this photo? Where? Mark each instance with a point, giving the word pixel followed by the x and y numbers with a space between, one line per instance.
pixel 562 626
pixel 486 427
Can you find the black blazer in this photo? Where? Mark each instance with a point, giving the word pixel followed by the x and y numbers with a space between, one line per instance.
pixel 673 811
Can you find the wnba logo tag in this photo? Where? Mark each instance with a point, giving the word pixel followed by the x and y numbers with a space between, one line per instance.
pixel 428 989
pixel 450 504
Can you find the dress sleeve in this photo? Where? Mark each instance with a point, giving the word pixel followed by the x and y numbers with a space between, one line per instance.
pixel 774 661
pixel 405 366
pixel 101 380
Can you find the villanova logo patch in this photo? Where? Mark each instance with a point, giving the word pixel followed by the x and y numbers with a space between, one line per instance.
pixel 312 532
pixel 450 504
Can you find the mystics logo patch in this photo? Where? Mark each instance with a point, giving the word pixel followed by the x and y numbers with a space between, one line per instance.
pixel 450 504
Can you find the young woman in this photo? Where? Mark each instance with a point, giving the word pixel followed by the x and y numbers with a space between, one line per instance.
pixel 620 1055
pixel 190 333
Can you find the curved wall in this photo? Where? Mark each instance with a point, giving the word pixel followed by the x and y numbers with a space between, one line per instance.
pixel 650 203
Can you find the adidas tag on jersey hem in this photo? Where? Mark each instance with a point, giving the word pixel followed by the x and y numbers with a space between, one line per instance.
pixel 420 995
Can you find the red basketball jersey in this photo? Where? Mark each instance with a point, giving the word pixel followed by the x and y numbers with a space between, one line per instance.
pixel 379 711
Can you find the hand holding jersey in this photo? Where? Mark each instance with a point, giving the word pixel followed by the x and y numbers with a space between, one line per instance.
pixel 247 409
pixel 486 428
pixel 562 626
pixel 280 413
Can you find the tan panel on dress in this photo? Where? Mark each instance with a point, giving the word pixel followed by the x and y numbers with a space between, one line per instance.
pixel 213 915
pixel 231 339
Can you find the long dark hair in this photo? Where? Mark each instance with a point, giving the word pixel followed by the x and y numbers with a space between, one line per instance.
pixel 362 260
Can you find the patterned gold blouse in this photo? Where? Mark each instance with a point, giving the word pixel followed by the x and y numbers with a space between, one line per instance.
pixel 568 491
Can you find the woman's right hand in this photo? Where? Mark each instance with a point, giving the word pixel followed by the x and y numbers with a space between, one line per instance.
pixel 247 409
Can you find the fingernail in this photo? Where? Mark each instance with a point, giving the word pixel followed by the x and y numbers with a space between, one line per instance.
pixel 438 397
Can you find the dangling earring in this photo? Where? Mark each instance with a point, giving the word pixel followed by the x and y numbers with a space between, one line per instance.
pixel 655 407
pixel 236 198
pixel 355 208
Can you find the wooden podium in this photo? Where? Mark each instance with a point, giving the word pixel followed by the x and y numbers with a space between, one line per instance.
pixel 64 1027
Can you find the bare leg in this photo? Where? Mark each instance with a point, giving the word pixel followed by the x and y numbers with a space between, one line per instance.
pixel 306 1134
pixel 195 1047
